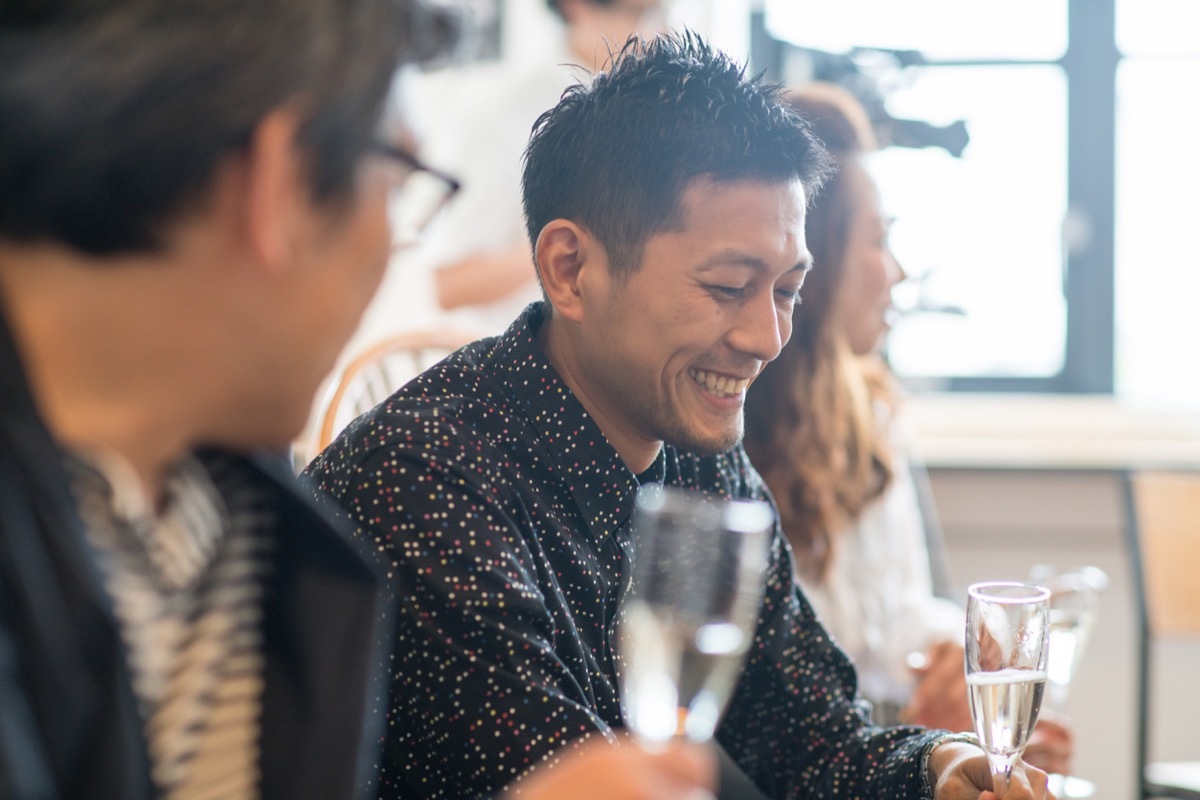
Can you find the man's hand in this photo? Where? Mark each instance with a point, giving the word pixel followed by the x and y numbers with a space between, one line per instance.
pixel 960 772
pixel 599 770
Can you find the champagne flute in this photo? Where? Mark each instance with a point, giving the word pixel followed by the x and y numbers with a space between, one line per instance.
pixel 689 619
pixel 1074 599
pixel 1007 632
pixel 1074 602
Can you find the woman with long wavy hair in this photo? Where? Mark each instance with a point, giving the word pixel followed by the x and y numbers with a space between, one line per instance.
pixel 824 428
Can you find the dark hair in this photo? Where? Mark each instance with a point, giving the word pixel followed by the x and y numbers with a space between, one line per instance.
pixel 615 156
pixel 114 114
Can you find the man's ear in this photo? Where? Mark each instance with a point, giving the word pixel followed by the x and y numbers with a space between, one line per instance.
pixel 565 255
pixel 275 188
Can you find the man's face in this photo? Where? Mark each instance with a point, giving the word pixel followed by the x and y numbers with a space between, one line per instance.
pixel 340 262
pixel 668 351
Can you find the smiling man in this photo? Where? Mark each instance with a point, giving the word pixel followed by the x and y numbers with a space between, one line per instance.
pixel 664 352
pixel 665 204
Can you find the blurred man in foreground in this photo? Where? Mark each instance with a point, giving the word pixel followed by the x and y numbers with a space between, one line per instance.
pixel 193 215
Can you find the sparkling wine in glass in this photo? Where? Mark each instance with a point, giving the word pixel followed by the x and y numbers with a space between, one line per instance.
pixel 697 586
pixel 1006 647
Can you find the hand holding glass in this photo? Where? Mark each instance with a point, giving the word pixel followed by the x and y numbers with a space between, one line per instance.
pixel 1007 631
pixel 697 587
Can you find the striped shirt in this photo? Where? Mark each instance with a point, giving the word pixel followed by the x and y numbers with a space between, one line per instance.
pixel 187 581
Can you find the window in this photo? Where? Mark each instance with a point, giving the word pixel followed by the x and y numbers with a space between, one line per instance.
pixel 980 234
pixel 1158 202
pixel 939 29
pixel 1055 254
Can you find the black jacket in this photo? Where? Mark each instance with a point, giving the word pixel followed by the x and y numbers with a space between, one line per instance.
pixel 69 727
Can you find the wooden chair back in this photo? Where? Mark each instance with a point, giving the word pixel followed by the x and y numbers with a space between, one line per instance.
pixel 371 376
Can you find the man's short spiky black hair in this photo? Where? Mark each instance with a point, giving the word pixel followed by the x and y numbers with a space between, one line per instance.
pixel 615 156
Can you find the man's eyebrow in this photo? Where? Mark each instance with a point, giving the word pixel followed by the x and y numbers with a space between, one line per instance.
pixel 733 257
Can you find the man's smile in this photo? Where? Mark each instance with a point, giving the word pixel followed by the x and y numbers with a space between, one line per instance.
pixel 719 385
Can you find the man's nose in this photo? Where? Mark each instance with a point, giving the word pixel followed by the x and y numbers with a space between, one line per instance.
pixel 762 329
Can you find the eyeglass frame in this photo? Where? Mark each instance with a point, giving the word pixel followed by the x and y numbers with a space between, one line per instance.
pixel 401 156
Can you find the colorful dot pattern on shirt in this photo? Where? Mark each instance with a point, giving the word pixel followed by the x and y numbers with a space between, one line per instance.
pixel 501 515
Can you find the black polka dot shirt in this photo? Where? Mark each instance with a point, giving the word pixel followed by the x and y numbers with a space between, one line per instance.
pixel 501 516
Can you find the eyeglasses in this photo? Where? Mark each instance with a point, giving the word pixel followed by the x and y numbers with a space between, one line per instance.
pixel 417 196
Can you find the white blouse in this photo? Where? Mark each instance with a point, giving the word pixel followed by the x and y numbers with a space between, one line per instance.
pixel 877 600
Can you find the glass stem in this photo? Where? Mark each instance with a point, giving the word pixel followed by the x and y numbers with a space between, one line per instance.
pixel 1001 768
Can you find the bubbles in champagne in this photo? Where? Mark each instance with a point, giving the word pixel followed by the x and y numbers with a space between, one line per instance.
pixel 1005 706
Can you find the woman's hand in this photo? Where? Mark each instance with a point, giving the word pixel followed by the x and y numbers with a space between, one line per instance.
pixel 940 697
pixel 1051 745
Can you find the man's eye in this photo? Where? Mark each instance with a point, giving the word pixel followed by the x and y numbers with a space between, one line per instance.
pixel 731 292
pixel 788 295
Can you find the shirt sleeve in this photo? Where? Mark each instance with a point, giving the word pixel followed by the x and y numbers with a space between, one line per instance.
pixel 24 771
pixel 795 724
pixel 479 691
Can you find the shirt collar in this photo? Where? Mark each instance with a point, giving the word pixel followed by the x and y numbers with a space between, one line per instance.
pixel 180 542
pixel 601 484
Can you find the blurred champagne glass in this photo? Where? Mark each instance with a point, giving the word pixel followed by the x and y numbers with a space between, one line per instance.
pixel 697 587
pixel 1074 601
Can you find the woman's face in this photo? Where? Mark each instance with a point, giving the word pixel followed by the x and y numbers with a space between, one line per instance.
pixel 863 302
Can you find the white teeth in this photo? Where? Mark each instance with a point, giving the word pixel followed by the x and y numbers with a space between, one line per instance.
pixel 719 385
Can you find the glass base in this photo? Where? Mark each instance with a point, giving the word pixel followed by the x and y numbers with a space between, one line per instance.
pixel 1068 786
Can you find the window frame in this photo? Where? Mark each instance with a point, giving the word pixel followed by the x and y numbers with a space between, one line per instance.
pixel 1090 66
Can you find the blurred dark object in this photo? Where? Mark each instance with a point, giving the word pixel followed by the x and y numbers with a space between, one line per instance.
pixel 916 298
pixel 869 73
pixel 479 31
pixel 952 138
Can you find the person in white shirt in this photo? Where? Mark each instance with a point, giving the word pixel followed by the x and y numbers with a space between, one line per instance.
pixel 824 427
pixel 482 264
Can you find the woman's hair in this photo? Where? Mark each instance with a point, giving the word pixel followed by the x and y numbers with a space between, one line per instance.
pixel 811 426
